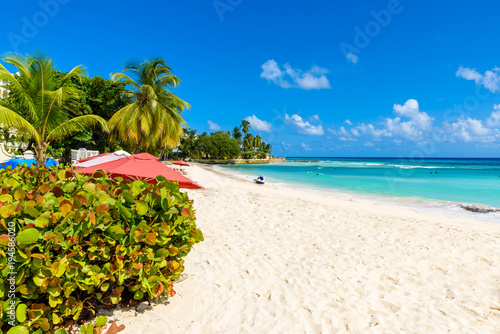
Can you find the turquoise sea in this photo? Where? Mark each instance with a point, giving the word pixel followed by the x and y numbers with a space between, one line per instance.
pixel 441 180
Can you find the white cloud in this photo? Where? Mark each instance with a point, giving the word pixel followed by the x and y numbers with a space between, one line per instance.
pixel 467 130
pixel 305 147
pixel 315 118
pixel 313 79
pixel 419 121
pixel 342 134
pixel 369 129
pixel 410 109
pixel 348 122
pixel 212 126
pixel 490 79
pixel 415 125
pixel 352 58
pixel 304 127
pixel 494 120
pixel 368 144
pixel 258 124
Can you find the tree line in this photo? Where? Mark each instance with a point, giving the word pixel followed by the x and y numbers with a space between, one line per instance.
pixel 55 111
pixel 224 144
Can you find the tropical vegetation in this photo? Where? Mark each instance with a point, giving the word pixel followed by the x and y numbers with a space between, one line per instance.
pixel 224 144
pixel 79 242
pixel 152 121
pixel 45 102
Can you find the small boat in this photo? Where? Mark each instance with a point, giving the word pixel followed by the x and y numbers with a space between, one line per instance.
pixel 259 180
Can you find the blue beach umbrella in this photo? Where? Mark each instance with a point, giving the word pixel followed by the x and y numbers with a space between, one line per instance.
pixel 20 161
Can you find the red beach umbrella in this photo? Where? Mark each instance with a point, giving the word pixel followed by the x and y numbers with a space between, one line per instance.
pixel 94 157
pixel 141 166
pixel 180 163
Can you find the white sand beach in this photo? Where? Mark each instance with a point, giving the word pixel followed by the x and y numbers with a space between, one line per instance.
pixel 279 260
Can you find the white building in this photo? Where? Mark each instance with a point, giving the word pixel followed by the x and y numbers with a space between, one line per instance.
pixel 3 88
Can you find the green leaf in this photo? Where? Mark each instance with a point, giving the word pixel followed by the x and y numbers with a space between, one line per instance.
pixel 128 196
pixel 116 229
pixel 198 236
pixel 101 321
pixel 138 295
pixel 31 211
pixel 28 236
pixel 61 331
pixel 18 330
pixel 21 312
pixel 69 187
pixel 142 208
pixel 42 221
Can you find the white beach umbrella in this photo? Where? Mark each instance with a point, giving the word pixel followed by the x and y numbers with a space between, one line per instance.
pixel 101 158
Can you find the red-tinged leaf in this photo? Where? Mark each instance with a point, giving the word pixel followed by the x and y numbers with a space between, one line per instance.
pixel 65 209
pixel 44 188
pixel 172 291
pixel 102 209
pixel 114 328
pixel 57 191
pixel 40 200
pixel 92 217
pixel 52 178
pixel 175 265
pixel 69 174
pixel 137 266
pixel 98 174
pixel 103 186
pixel 158 289
pixel 185 212
pixel 31 225
pixel 151 239
pixel 4 239
pixel 65 201
pixel 81 200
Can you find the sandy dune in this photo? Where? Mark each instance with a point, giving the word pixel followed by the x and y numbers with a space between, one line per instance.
pixel 278 260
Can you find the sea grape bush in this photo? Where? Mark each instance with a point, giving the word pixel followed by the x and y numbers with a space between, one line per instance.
pixel 82 241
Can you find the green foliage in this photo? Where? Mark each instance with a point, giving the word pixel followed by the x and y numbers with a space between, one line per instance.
pixel 152 121
pixel 219 145
pixel 84 241
pixel 98 96
pixel 44 99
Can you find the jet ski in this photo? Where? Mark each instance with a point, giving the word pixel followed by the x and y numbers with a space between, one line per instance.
pixel 259 180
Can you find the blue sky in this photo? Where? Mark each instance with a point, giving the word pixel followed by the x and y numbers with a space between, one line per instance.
pixel 317 78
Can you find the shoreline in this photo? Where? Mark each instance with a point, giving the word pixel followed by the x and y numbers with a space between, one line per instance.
pixel 282 260
pixel 448 208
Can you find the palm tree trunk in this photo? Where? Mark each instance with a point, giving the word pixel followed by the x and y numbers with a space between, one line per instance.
pixel 41 154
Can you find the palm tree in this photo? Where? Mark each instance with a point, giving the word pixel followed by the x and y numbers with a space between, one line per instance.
pixel 153 120
pixel 267 148
pixel 245 126
pixel 248 142
pixel 187 143
pixel 257 141
pixel 237 133
pixel 46 101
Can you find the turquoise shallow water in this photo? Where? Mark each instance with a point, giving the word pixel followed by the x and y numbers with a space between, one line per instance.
pixel 449 180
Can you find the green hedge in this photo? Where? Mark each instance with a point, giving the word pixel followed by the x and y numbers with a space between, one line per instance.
pixel 80 242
